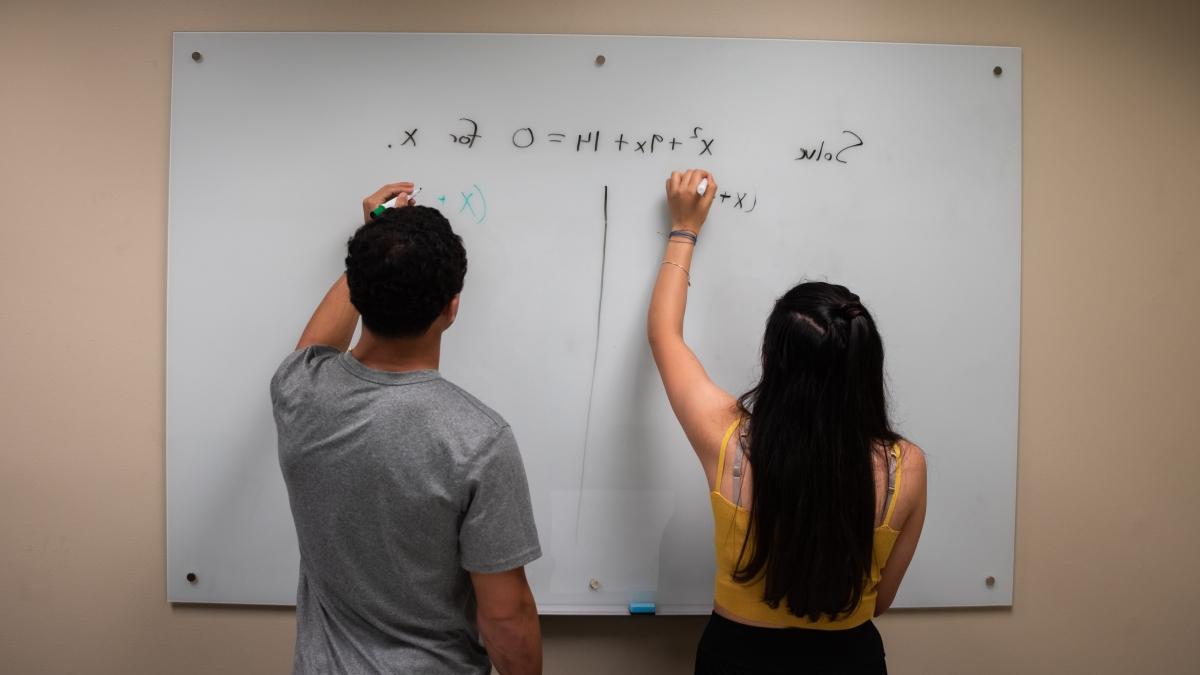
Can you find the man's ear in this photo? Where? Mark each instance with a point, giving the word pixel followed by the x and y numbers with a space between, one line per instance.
pixel 451 311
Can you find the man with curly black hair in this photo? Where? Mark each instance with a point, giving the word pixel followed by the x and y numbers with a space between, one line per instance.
pixel 409 495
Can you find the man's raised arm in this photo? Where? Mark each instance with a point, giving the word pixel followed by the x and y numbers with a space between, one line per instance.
pixel 333 322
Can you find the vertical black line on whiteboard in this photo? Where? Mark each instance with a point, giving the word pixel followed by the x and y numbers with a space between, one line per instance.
pixel 587 425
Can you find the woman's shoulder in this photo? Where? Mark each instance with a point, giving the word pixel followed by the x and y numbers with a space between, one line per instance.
pixel 911 483
pixel 912 457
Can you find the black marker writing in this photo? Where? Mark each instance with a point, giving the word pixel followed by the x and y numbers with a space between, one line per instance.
pixel 523 138
pixel 527 135
pixel 818 153
pixel 815 153
pixel 467 139
pixel 858 138
pixel 580 140
pixel 745 202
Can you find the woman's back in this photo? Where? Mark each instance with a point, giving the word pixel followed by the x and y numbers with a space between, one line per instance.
pixel 893 468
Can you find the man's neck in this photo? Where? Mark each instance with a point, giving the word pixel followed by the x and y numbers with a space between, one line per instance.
pixel 399 355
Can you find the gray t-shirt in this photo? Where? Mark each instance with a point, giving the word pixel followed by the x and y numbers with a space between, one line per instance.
pixel 400 484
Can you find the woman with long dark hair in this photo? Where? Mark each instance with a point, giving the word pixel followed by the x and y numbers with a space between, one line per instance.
pixel 817 502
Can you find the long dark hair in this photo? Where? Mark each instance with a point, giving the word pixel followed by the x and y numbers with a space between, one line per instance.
pixel 815 419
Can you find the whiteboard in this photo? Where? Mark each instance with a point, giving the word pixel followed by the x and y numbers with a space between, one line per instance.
pixel 894 169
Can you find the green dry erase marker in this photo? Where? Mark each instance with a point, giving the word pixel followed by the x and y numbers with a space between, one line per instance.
pixel 378 210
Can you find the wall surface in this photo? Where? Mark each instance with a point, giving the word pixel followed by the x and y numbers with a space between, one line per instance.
pixel 1107 534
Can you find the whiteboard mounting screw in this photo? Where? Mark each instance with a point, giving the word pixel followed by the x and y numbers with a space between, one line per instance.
pixel 191 577
pixel 600 59
pixel 594 584
pixel 990 581
pixel 197 57
pixel 997 70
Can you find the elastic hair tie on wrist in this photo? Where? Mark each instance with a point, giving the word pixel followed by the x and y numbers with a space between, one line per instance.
pixel 683 235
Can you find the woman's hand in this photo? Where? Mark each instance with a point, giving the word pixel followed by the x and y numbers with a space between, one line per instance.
pixel 689 209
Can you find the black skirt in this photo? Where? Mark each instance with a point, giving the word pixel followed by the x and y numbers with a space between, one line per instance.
pixel 732 648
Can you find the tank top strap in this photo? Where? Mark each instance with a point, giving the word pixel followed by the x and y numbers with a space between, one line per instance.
pixel 721 455
pixel 893 494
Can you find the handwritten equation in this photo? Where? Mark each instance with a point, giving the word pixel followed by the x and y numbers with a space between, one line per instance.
pixel 468 134
pixel 745 202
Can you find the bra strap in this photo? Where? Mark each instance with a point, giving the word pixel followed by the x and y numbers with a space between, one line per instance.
pixel 893 486
pixel 737 472
pixel 721 455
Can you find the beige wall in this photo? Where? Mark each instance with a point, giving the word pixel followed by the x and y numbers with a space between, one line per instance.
pixel 1109 493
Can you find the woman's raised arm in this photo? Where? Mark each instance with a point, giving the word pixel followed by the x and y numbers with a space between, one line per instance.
pixel 703 409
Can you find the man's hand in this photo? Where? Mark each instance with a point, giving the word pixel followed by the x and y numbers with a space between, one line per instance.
pixel 385 193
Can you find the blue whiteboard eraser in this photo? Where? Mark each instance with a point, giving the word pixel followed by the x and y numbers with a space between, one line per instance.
pixel 641 608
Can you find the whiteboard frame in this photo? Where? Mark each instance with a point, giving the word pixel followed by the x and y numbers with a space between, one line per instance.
pixel 180 592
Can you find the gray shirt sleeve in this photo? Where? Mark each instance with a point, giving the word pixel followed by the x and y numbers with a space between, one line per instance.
pixel 295 377
pixel 498 532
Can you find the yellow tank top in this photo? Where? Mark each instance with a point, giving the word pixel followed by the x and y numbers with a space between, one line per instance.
pixel 746 600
